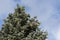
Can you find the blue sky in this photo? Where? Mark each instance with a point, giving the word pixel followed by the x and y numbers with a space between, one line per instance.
pixel 47 12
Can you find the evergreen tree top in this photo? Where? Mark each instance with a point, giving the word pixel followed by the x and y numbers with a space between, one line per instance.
pixel 20 26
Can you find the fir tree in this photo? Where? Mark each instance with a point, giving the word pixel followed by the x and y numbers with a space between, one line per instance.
pixel 20 26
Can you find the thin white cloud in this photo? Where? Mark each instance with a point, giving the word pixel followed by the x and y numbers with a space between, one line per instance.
pixel 57 33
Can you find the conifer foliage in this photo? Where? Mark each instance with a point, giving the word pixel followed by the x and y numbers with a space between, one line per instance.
pixel 20 26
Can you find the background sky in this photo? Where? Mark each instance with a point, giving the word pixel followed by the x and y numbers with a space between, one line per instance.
pixel 47 12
